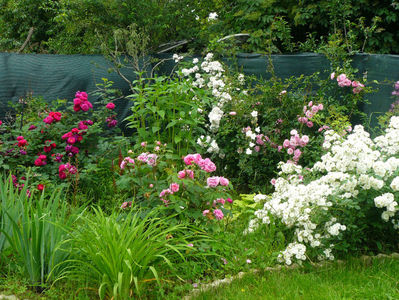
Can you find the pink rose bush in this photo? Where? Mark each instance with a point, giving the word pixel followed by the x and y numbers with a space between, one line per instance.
pixel 189 192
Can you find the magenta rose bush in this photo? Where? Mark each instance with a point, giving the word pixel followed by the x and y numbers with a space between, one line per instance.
pixel 60 145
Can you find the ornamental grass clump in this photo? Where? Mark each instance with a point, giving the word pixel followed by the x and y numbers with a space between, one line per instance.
pixel 347 202
pixel 36 231
pixel 117 255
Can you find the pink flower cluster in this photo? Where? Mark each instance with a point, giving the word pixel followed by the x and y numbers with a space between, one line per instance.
pixel 216 180
pixel 48 146
pixel 294 142
pixel 148 158
pixel 52 117
pixel 310 111
pixel 75 135
pixel 80 102
pixel 65 169
pixel 18 185
pixel 57 157
pixel 344 81
pixel 205 164
pixel 173 188
pixel 41 160
pixel 217 213
pixel 21 141
pixel 111 121
pixel 83 125
pixel 324 127
pixel 127 161
pixel 185 174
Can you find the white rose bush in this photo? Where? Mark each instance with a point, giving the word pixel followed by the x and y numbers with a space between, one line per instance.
pixel 347 202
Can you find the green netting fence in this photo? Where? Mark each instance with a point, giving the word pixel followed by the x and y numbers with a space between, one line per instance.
pixel 60 76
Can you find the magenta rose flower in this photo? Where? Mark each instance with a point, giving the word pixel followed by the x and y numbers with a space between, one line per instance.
pixel 110 106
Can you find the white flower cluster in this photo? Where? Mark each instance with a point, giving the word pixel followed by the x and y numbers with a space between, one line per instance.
pixel 387 201
pixel 177 58
pixel 353 163
pixel 215 116
pixel 210 75
pixel 293 250
pixel 212 16
pixel 208 142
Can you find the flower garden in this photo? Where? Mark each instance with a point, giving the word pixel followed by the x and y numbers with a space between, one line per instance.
pixel 214 172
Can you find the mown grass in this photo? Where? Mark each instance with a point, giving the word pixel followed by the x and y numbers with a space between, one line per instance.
pixel 355 279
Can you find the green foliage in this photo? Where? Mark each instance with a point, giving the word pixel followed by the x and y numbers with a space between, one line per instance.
pixel 37 236
pixel 84 26
pixel 125 252
pixel 166 110
pixel 17 17
pixel 11 208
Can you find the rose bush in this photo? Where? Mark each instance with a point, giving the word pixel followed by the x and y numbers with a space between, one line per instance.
pixel 347 202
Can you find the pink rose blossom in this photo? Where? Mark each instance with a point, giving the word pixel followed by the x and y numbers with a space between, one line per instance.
pixel 205 212
pixel 165 192
pixel 221 201
pixel 223 181
pixel 305 139
pixel 232 113
pixel 181 174
pixel 286 143
pixel 229 200
pixel 290 151
pixel 174 187
pixel 213 181
pixel 143 144
pixel 190 173
pixel 309 124
pixel 218 214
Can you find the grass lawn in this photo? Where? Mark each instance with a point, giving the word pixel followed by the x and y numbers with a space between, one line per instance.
pixel 355 279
